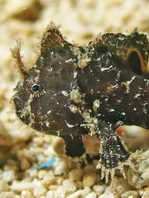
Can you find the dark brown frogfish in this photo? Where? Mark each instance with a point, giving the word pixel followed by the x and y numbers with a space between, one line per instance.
pixel 72 91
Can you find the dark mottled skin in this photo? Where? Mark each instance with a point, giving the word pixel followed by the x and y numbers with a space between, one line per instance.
pixel 76 90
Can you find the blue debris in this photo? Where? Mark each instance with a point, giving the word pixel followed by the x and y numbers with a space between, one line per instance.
pixel 46 164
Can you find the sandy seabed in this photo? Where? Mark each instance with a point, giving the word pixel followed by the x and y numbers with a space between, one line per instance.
pixel 22 148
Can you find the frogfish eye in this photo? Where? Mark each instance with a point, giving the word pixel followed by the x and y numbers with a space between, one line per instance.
pixel 35 87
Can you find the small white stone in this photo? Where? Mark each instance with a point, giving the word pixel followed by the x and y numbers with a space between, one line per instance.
pixel 26 194
pixel 60 166
pixel 42 173
pixel 32 173
pixel 8 195
pixel 107 195
pixel 130 194
pixel 91 195
pixel 47 181
pixel 98 189
pixel 76 194
pixel 60 193
pixel 39 191
pixel 9 175
pixel 86 191
pixel 59 180
pixel 50 194
pixel 69 186
pixel 19 186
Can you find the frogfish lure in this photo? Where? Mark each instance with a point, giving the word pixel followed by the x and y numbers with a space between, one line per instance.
pixel 72 91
